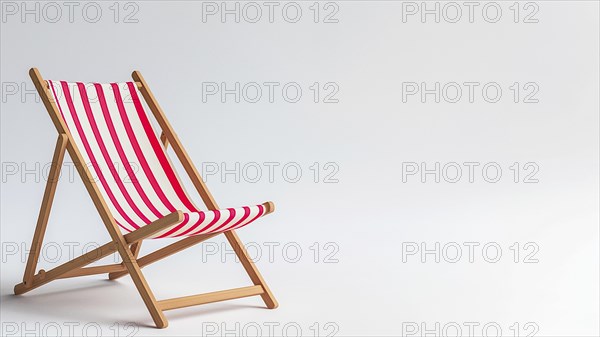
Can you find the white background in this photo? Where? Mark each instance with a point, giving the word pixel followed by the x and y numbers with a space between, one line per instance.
pixel 354 276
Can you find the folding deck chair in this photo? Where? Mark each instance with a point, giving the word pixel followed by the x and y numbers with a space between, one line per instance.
pixel 105 126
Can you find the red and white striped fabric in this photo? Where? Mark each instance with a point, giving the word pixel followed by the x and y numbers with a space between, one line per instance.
pixel 136 178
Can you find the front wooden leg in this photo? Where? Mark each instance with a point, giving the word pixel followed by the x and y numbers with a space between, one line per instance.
pixel 251 269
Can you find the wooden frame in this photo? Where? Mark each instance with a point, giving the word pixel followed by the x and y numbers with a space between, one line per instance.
pixel 128 246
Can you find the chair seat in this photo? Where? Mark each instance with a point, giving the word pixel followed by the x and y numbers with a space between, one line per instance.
pixel 134 173
pixel 207 222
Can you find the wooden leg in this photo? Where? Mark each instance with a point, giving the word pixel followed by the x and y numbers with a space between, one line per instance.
pixel 251 269
pixel 40 229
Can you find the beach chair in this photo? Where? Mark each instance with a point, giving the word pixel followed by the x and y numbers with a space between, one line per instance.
pixel 125 168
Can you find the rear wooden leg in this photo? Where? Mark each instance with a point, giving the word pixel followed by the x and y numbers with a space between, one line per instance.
pixel 251 269
pixel 40 229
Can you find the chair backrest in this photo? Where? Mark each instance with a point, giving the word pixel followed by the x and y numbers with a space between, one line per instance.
pixel 113 133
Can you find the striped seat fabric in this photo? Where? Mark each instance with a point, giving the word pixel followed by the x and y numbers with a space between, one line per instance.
pixel 137 180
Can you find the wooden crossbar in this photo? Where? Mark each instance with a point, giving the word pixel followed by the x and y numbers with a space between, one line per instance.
pixel 44 277
pixel 217 296
pixel 94 270
pixel 154 227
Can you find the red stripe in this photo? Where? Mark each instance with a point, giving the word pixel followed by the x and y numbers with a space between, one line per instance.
pixel 159 150
pixel 57 103
pixel 138 151
pixel 111 167
pixel 202 217
pixel 217 217
pixel 231 216
pixel 246 215
pixel 122 156
pixel 118 223
pixel 261 210
pixel 91 156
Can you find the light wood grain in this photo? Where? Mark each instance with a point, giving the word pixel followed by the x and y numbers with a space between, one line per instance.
pixel 217 296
